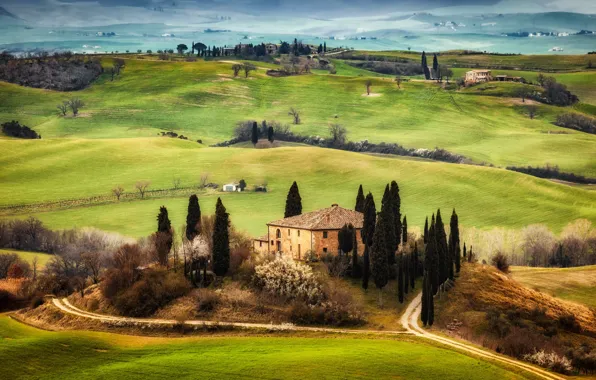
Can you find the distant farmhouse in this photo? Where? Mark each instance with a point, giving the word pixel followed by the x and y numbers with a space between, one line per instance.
pixel 478 76
pixel 315 231
pixel 231 187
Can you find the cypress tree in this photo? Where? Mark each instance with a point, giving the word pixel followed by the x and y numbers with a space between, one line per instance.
pixel 442 254
pixel 414 266
pixel 436 66
pixel 163 236
pixel 400 278
pixel 293 202
pixel 454 233
pixel 270 135
pixel 360 200
pixel 255 134
pixel 464 250
pixel 431 308
pixel 365 268
pixel 221 240
pixel 193 218
pixel 355 271
pixel 431 262
pixel 425 66
pixel 345 237
pixel 379 257
pixel 425 237
pixel 406 271
pixel 425 293
pixel 396 208
pixel 389 225
pixel 404 227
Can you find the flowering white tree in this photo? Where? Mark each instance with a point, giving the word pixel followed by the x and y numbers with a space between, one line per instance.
pixel 286 277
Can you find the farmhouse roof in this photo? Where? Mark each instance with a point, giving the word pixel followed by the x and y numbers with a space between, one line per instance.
pixel 331 218
pixel 262 238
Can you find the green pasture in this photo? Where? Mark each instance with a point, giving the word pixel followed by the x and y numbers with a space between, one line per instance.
pixel 42 258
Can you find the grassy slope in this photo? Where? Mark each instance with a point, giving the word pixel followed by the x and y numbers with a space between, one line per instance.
pixel 573 284
pixel 30 353
pixel 200 101
pixel 42 258
pixel 46 170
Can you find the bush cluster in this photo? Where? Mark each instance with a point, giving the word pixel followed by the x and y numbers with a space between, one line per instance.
pixel 288 278
pixel 577 121
pixel 551 361
pixel 15 129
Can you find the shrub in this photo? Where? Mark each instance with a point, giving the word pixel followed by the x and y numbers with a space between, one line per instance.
pixel 577 121
pixel 500 262
pixel 569 323
pixel 8 301
pixel 497 323
pixel 36 301
pixel 6 262
pixel 287 278
pixel 520 342
pixel 207 300
pixel 551 361
pixel 326 313
pixel 14 129
pixel 155 289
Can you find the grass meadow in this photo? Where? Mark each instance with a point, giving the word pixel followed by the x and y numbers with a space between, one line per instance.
pixel 29 353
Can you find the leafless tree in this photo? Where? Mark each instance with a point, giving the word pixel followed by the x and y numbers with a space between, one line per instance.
pixel 248 67
pixel 63 107
pixel 34 264
pixel 368 84
pixel 93 262
pixel 237 68
pixel 295 114
pixel 203 180
pixel 75 104
pixel 445 72
pixel 142 186
pixel 176 182
pixel 532 111
pixel 523 92
pixel 338 134
pixel 398 81
pixel 118 191
pixel 118 65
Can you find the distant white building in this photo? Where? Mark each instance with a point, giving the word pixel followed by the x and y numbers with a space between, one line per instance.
pixel 231 187
pixel 478 76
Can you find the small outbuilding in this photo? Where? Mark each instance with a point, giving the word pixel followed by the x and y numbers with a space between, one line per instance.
pixel 231 187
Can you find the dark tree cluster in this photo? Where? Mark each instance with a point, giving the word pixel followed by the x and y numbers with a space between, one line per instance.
pixel 293 202
pixel 552 172
pixel 577 121
pixel 554 92
pixel 61 73
pixel 15 129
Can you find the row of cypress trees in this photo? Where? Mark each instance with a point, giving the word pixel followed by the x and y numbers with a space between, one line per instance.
pixel 442 260
pixel 220 236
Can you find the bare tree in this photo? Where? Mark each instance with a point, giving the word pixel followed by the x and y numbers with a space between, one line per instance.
pixel 445 72
pixel 338 134
pixel 142 186
pixel 34 264
pixel 75 104
pixel 248 67
pixel 524 92
pixel 237 68
pixel 63 107
pixel 398 81
pixel 118 64
pixel 295 114
pixel 203 180
pixel 176 182
pixel 118 191
pixel 532 111
pixel 368 84
pixel 93 263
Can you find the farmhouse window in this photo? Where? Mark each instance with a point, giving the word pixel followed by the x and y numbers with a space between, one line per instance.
pixel 278 233
pixel 324 234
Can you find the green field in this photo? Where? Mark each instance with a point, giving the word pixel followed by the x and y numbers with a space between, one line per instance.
pixel 48 170
pixel 573 284
pixel 29 353
pixel 42 258
pixel 201 101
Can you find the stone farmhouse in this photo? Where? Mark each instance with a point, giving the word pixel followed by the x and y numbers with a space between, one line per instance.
pixel 478 76
pixel 315 231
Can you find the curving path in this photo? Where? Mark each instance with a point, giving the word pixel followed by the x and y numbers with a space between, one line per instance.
pixel 410 319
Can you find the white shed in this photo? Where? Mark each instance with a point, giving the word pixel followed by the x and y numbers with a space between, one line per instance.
pixel 231 187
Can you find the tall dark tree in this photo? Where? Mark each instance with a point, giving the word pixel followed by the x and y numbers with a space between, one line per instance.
pixel 345 236
pixel 365 268
pixel 400 278
pixel 404 227
pixel 465 253
pixel 435 66
pixel 431 260
pixel 425 66
pixel 270 135
pixel 387 211
pixel 425 237
pixel 324 47
pixel 414 266
pixel 454 240
pixel 379 257
pixel 255 134
pixel 396 208
pixel 221 240
pixel 293 202
pixel 193 217
pixel 355 266
pixel 367 233
pixel 424 302
pixel 442 250
pixel 360 200
pixel 431 308
pixel 163 236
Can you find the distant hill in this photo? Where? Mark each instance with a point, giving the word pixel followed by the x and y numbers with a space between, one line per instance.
pixel 5 13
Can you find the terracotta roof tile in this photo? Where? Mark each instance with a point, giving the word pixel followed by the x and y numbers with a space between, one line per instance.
pixel 331 218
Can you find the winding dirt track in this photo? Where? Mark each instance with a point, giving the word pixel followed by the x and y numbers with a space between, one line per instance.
pixel 409 321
